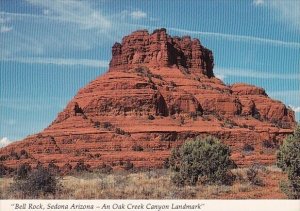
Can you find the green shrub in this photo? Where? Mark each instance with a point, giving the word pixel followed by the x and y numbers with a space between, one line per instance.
pixel 288 159
pixel 38 182
pixel 207 161
pixel 22 171
pixel 53 168
pixel 81 166
pixel 5 171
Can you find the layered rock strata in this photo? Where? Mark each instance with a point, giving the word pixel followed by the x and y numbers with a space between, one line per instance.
pixel 159 91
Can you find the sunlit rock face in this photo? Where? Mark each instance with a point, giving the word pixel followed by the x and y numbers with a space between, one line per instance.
pixel 158 92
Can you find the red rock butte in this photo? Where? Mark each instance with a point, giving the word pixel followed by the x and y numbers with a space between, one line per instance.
pixel 159 91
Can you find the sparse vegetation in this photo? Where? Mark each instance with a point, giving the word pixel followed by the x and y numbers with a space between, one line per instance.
pixel 3 157
pixel 105 169
pixel 97 124
pixel 172 84
pixel 120 131
pixel 150 184
pixel 137 148
pixel 81 166
pixel 128 165
pixel 4 170
pixel 182 120
pixel 288 159
pixel 22 171
pixel 252 176
pixel 207 161
pixel 37 183
pixel 151 117
pixel 248 148
pixel 268 144
pixel 53 168
pixel 229 123
pixel 194 115
pixel 107 125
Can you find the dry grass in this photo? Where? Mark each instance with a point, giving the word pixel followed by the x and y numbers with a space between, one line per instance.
pixel 4 188
pixel 155 184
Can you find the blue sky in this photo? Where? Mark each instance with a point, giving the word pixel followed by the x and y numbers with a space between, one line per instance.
pixel 49 49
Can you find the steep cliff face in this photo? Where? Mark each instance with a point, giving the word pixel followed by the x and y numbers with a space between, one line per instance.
pixel 161 50
pixel 158 92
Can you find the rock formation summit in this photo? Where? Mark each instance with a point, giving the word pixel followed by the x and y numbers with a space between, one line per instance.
pixel 159 91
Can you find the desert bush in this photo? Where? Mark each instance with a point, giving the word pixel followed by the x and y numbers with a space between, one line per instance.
pixel 193 115
pixel 252 176
pixel 24 154
pixel 53 168
pixel 105 169
pixel 4 170
pixel 248 148
pixel 288 159
pixel 81 166
pixel 119 131
pixel 14 155
pixel 4 157
pixel 230 123
pixel 166 163
pixel 151 117
pixel 22 171
pixel 182 120
pixel 206 160
pixel 38 182
pixel 137 148
pixel 128 165
pixel 97 124
pixel 267 144
pixel 107 125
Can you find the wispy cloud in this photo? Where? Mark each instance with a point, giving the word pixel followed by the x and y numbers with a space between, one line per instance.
pixel 59 61
pixel 295 108
pixel 4 24
pixel 76 12
pixel 241 38
pixel 258 2
pixel 138 14
pixel 254 74
pixel 220 76
pixel 75 26
pixel 4 142
pixel 287 11
pixel 4 29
